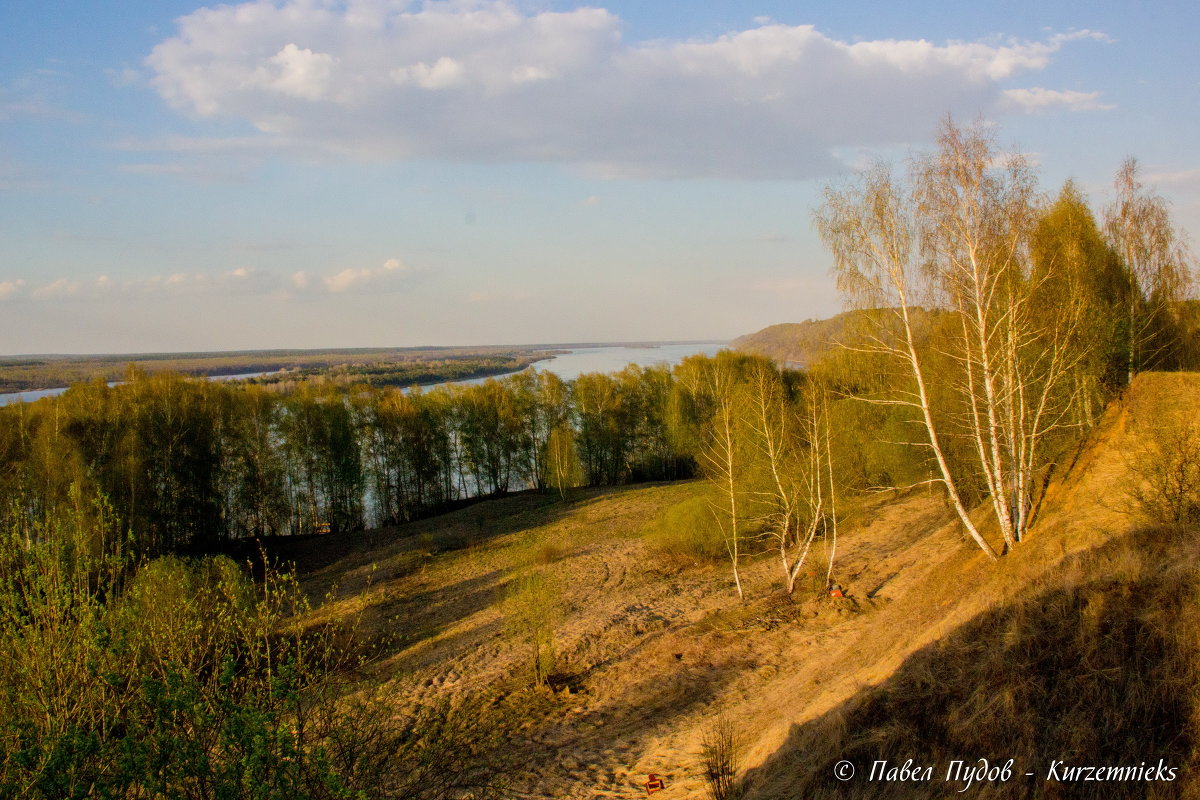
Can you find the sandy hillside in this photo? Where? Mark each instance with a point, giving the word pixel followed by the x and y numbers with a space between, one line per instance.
pixel 651 650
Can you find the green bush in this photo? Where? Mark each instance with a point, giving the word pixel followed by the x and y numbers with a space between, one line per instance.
pixel 184 678
pixel 687 530
pixel 533 610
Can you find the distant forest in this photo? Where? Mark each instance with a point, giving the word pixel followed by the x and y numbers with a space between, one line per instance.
pixel 397 366
pixel 800 344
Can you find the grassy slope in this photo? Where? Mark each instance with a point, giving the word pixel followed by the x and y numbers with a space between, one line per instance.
pixel 936 654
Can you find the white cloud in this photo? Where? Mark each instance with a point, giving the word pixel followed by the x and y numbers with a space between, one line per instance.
pixel 391 276
pixel 10 288
pixel 375 280
pixel 480 81
pixel 62 287
pixel 444 73
pixel 1183 179
pixel 298 72
pixel 28 100
pixel 1035 100
pixel 121 78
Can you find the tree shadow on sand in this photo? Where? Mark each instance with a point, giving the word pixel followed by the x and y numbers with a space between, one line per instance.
pixel 1098 667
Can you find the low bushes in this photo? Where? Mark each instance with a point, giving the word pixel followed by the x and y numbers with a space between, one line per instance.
pixel 687 530
pixel 184 678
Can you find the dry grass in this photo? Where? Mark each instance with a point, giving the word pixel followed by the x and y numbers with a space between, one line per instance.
pixel 1165 462
pixel 1098 665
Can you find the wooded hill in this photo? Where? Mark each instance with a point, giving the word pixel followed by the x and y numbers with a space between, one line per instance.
pixel 802 344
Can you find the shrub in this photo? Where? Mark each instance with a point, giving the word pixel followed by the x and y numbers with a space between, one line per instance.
pixel 186 679
pixel 533 607
pixel 1166 470
pixel 720 754
pixel 687 530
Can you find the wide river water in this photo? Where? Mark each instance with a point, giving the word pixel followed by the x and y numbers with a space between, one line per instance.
pixel 576 362
pixel 567 366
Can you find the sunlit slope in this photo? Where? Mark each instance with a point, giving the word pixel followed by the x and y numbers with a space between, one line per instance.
pixel 1082 647
pixel 937 653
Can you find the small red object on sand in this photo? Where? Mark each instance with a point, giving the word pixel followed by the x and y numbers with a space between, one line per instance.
pixel 655 784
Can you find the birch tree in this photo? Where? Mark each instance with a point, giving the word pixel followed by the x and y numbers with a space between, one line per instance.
pixel 716 387
pixel 1157 260
pixel 967 212
pixel 791 447
pixel 870 226
pixel 721 462
pixel 978 209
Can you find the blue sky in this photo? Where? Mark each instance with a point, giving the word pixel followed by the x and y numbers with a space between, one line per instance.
pixel 302 173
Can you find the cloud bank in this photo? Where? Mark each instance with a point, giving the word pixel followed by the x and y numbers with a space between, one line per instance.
pixel 480 81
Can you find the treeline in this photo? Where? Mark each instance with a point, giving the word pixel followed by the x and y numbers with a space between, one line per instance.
pixel 409 373
pixel 189 464
pixel 438 363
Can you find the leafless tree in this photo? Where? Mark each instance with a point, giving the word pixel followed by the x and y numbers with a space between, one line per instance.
pixel 1157 259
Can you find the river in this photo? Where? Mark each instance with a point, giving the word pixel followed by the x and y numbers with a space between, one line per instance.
pixel 568 366
pixel 614 358
pixel 37 394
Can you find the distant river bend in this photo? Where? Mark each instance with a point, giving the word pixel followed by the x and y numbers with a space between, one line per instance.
pixel 568 366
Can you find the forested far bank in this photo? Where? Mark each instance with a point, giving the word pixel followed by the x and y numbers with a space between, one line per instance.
pixel 395 366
